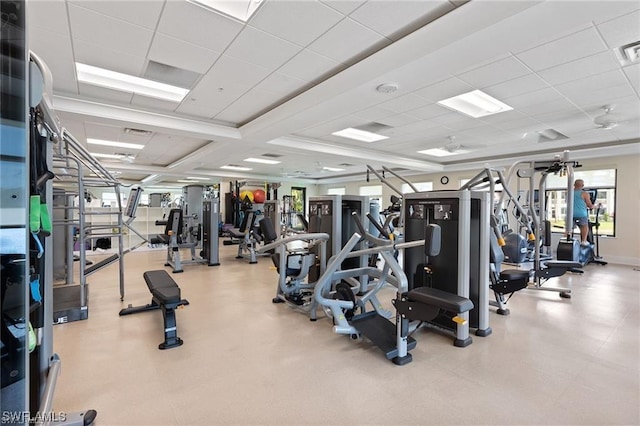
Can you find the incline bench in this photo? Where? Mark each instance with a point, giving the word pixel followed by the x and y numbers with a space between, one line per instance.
pixel 166 296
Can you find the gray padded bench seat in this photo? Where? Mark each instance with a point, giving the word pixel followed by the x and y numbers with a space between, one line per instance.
pixel 448 301
pixel 165 296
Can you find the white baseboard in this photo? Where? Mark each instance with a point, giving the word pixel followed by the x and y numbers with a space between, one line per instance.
pixel 622 260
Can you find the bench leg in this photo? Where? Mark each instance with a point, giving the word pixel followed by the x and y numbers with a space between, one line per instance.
pixel 171 339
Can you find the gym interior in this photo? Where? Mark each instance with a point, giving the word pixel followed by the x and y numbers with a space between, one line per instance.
pixel 320 212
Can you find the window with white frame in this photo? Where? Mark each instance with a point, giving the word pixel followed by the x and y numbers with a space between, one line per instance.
pixel 374 192
pixel 336 191
pixel 602 181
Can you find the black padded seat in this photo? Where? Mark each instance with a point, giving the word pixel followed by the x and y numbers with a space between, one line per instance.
pixel 514 274
pixel 441 299
pixel 567 264
pixel 162 286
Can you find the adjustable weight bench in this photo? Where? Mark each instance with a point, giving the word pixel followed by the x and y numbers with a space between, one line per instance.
pixel 165 296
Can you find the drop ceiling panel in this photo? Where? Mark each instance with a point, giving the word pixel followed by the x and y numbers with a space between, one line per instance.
pixel 142 13
pixel 620 31
pixel 525 124
pixel 49 15
pixel 55 51
pixel 181 54
pixel 154 104
pixel 260 48
pixel 494 73
pixel 405 103
pixel 333 126
pixel 398 120
pixel 444 89
pixel 344 6
pixel 575 46
pixel 109 33
pixel 280 85
pixel 517 86
pixel 581 68
pixel 206 101
pixel 391 17
pixel 346 40
pixel 429 111
pixel 193 24
pixel 246 106
pixel 577 88
pixel 532 98
pixel 229 69
pixel 100 56
pixel 605 96
pixel 299 22
pixel 633 74
pixel 98 93
pixel 541 104
pixel 308 65
pixel 374 113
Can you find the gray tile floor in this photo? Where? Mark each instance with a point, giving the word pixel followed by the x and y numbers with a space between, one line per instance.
pixel 247 361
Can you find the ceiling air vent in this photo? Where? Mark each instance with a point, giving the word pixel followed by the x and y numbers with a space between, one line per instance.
pixel 137 132
pixel 373 127
pixel 346 165
pixel 170 75
pixel 629 53
pixel 550 135
pixel 272 155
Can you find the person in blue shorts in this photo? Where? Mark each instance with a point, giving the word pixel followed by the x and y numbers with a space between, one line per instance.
pixel 581 206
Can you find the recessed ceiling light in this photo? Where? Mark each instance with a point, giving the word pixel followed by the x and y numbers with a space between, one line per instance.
pixel 187 181
pixel 128 83
pixel 359 135
pixel 149 178
pixel 332 169
pixel 116 144
pixel 441 152
pixel 239 9
pixel 197 178
pixel 475 104
pixel 238 168
pixel 99 155
pixel 261 160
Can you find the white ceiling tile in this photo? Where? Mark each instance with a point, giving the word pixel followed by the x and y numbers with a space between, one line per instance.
pixel 103 57
pixel 532 98
pixel 503 117
pixel 580 68
pixel 191 23
pixel 429 111
pixel 543 104
pixel 229 69
pixel 633 74
pixel 392 18
pixel 405 103
pixel 299 22
pixel 517 86
pixel 208 101
pixel 181 54
pixel 520 123
pixel 494 73
pixel 109 33
pixel 565 49
pixel 422 128
pixel 348 40
pixel 444 89
pixel 374 113
pixel 308 66
pixel 55 51
pixel 251 103
pixel 260 48
pixel 48 15
pixel 397 120
pixel 344 6
pixel 603 96
pixel 621 31
pixel 95 92
pixel 143 13
pixel 153 104
pixel 578 88
pixel 280 84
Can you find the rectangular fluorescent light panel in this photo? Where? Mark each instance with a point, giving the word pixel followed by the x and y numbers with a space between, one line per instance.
pixel 99 155
pixel 237 168
pixel 475 104
pixel 332 169
pixel 197 178
pixel 359 135
pixel 261 160
pixel 239 9
pixel 116 144
pixel 128 83
pixel 440 152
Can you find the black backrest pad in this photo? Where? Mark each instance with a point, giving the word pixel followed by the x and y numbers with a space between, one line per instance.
pixel 170 220
pixel 496 255
pixel 432 240
pixel 268 232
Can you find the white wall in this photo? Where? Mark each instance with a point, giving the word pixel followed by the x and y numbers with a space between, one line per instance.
pixel 624 248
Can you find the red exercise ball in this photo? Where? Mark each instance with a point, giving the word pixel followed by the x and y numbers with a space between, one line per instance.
pixel 259 196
